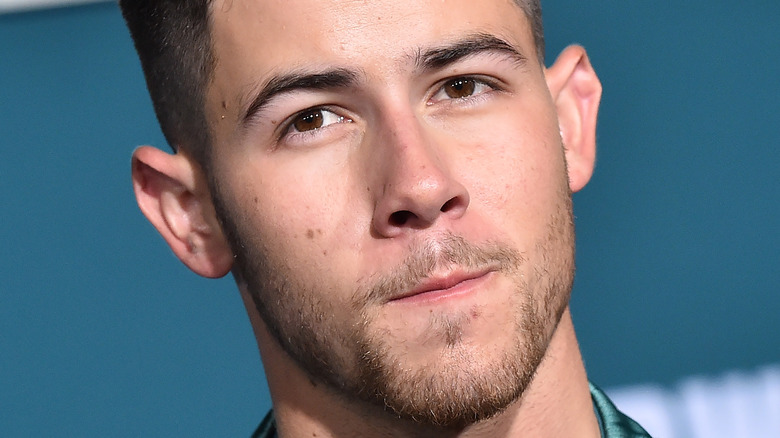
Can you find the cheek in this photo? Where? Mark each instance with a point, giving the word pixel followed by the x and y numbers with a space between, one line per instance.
pixel 306 216
pixel 519 166
pixel 514 170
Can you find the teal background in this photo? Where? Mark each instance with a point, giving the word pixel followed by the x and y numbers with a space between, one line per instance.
pixel 104 333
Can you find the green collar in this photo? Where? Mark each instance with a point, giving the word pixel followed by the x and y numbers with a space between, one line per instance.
pixel 612 422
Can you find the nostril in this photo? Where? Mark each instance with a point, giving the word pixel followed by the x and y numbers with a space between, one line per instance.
pixel 400 218
pixel 449 205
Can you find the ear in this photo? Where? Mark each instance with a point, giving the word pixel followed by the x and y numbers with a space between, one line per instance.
pixel 576 91
pixel 172 194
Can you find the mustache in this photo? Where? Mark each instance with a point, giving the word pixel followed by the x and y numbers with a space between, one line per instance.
pixel 447 252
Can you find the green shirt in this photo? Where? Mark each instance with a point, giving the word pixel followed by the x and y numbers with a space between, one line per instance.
pixel 613 423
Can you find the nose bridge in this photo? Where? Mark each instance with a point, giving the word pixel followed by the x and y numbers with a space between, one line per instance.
pixel 412 155
pixel 414 184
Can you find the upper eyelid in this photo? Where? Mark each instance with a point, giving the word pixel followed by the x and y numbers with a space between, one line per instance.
pixel 283 128
pixel 286 125
pixel 477 68
pixel 279 87
pixel 470 77
pixel 479 78
pixel 280 108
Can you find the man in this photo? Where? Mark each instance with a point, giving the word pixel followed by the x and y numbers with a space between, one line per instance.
pixel 388 183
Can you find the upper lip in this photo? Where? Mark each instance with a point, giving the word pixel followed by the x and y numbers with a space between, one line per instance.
pixel 443 281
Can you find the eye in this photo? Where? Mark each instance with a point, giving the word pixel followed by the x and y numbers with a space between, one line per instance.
pixel 314 119
pixel 461 88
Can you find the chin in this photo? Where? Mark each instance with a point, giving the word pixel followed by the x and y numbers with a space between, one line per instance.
pixel 462 368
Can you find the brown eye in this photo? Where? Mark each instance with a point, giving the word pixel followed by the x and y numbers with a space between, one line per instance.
pixel 460 88
pixel 308 121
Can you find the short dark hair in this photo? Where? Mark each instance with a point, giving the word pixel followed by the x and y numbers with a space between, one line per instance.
pixel 173 41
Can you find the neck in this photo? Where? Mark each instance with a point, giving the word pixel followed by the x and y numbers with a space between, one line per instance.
pixel 557 403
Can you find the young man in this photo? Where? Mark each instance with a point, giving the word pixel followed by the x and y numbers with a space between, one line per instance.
pixel 390 184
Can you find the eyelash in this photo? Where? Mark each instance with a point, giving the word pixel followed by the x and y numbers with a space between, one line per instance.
pixel 290 133
pixel 472 98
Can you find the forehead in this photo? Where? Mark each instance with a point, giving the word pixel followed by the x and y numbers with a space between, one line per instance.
pixel 259 36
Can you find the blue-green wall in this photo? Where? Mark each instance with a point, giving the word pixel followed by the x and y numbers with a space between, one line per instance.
pixel 104 333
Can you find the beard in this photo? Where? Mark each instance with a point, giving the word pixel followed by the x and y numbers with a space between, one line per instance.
pixel 333 334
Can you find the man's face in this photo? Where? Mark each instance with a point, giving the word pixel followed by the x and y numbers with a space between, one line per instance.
pixel 392 180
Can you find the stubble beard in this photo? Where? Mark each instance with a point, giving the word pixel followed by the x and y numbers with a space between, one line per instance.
pixel 357 363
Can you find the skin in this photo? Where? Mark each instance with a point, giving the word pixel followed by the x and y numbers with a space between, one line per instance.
pixel 404 160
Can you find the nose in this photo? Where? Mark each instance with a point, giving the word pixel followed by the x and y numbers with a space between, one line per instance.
pixel 414 185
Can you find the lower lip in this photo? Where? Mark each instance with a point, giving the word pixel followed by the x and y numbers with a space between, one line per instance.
pixel 462 289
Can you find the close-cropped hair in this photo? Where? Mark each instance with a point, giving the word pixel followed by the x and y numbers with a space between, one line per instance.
pixel 173 41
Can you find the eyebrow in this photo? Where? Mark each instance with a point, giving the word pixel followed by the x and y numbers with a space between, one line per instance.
pixel 441 57
pixel 428 60
pixel 298 80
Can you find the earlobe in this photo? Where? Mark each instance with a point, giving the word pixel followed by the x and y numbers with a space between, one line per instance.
pixel 576 91
pixel 173 197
